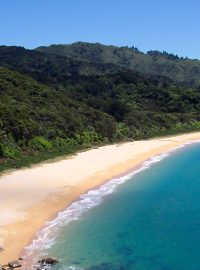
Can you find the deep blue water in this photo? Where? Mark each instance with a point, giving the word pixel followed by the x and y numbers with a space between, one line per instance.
pixel 151 222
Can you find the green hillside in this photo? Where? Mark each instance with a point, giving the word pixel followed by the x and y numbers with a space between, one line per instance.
pixel 179 70
pixel 143 107
pixel 50 68
pixel 53 105
pixel 35 118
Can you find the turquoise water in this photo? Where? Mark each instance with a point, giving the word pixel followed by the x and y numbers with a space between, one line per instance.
pixel 150 222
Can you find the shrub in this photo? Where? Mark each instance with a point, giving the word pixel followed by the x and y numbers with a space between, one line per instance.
pixel 40 143
pixel 89 136
pixel 122 131
pixel 61 143
pixel 9 151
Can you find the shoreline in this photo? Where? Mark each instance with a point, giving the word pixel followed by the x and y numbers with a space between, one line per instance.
pixel 26 209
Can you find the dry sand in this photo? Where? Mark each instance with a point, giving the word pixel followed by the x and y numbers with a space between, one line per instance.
pixel 30 197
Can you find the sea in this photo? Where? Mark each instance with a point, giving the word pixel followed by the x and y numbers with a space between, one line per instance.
pixel 148 219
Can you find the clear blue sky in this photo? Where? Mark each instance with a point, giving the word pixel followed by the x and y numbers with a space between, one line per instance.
pixel 170 25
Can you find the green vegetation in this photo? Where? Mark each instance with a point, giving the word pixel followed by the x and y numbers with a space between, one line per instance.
pixel 36 118
pixel 178 69
pixel 81 95
pixel 50 68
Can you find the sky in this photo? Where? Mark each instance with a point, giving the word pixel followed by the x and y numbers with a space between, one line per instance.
pixel 164 25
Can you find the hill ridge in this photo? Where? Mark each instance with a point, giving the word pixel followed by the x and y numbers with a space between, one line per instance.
pixel 179 69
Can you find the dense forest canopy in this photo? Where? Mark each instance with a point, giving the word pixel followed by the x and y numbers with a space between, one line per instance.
pixel 56 99
pixel 155 63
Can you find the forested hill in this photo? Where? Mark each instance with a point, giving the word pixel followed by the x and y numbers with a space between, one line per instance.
pixel 52 105
pixel 180 70
pixel 47 67
pixel 36 118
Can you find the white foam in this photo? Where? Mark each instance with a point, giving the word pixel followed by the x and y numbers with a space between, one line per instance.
pixel 45 238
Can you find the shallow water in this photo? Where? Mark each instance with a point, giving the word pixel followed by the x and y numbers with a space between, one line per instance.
pixel 151 221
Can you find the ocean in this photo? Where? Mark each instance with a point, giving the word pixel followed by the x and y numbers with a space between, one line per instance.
pixel 146 220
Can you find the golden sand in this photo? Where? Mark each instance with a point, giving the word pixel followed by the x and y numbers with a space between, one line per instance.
pixel 30 197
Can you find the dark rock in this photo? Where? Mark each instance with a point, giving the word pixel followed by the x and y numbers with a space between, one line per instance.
pixel 1 249
pixel 49 261
pixel 20 259
pixel 14 264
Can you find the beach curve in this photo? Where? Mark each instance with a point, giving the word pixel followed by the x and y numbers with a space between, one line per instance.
pixel 30 197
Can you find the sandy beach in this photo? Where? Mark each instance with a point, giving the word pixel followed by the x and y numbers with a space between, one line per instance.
pixel 30 197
